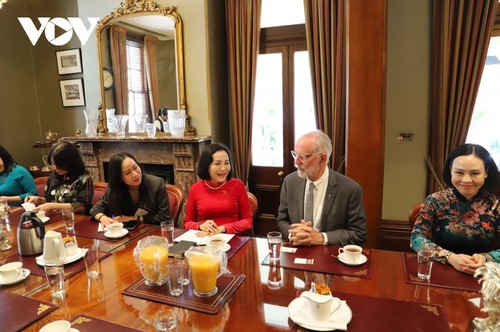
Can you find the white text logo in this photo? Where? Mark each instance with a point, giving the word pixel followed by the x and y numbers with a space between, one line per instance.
pixel 49 26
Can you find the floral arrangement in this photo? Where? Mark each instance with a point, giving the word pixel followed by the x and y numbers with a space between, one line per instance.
pixel 490 277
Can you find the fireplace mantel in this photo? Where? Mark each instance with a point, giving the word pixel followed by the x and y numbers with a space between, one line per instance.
pixel 181 153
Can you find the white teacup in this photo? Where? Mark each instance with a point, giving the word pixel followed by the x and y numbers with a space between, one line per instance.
pixel 115 229
pixel 351 253
pixel 11 271
pixel 57 326
pixel 216 241
pixel 321 307
pixel 53 247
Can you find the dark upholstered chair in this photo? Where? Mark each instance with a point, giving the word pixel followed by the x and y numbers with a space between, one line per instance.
pixel 40 185
pixel 99 190
pixel 254 205
pixel 413 214
pixel 175 199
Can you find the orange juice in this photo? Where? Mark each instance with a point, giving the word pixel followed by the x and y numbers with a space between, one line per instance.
pixel 148 257
pixel 204 273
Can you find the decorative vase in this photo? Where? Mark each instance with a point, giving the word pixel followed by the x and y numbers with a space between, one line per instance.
pixel 91 122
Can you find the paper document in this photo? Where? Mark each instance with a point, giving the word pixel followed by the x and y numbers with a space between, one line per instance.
pixel 28 206
pixel 191 236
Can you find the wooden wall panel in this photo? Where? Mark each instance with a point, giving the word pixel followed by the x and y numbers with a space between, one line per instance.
pixel 366 86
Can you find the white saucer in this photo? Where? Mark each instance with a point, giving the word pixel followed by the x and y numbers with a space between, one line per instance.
pixel 109 236
pixel 298 306
pixel 69 259
pixel 23 276
pixel 363 260
pixel 72 329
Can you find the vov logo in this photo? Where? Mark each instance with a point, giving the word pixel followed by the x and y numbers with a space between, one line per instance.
pixel 49 26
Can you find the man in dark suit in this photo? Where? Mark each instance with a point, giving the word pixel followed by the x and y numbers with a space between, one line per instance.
pixel 332 212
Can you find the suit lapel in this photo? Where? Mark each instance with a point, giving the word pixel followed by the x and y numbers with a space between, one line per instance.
pixel 331 191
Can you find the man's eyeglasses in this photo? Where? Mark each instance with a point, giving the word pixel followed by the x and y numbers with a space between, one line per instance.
pixel 303 157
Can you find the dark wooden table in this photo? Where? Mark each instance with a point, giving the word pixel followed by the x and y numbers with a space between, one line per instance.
pixel 256 305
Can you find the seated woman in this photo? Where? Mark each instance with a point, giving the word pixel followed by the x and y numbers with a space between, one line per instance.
pixel 131 194
pixel 69 186
pixel 161 121
pixel 15 181
pixel 218 203
pixel 461 224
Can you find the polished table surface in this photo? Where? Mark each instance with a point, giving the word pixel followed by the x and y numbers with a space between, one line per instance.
pixel 255 305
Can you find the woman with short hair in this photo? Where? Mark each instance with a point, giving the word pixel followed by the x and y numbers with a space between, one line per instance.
pixel 69 186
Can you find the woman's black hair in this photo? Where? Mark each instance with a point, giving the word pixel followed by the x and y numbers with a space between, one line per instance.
pixel 7 159
pixel 206 158
pixel 115 169
pixel 67 157
pixel 492 181
pixel 163 111
pixel 119 194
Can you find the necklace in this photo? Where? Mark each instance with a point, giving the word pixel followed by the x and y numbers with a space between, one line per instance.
pixel 214 188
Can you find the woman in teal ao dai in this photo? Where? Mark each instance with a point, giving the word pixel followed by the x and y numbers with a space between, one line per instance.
pixel 461 224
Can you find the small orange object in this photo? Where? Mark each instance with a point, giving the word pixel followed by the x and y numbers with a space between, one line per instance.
pixel 321 289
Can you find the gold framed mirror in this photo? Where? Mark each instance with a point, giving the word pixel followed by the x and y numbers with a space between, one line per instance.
pixel 158 79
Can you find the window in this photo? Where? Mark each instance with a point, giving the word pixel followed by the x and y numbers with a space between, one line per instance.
pixel 138 93
pixel 485 121
pixel 283 107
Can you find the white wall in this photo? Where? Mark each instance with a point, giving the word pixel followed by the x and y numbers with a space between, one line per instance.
pixel 408 104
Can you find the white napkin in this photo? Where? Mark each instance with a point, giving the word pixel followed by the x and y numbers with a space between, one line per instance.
pixel 338 321
pixel 100 229
pixel 28 206
pixel 191 236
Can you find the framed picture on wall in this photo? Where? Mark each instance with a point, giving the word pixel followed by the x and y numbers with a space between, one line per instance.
pixel 69 61
pixel 72 93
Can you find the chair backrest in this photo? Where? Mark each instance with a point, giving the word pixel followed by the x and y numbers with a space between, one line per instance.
pixel 413 214
pixel 175 199
pixel 40 185
pixel 99 190
pixel 254 205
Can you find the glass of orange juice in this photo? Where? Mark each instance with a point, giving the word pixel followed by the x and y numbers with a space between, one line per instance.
pixel 151 256
pixel 206 265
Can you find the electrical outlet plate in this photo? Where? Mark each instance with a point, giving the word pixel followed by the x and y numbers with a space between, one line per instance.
pixel 405 137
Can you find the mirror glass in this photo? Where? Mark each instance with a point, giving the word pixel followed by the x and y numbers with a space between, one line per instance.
pixel 137 19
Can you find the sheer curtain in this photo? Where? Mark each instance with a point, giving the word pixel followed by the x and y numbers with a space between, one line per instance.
pixel 150 43
pixel 243 31
pixel 118 43
pixel 462 31
pixel 325 23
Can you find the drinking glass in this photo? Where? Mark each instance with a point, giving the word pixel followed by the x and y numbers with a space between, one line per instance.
pixel 425 259
pixel 151 130
pixel 91 260
pixel 6 237
pixel 165 320
pixel 274 244
pixel 167 231
pixel 185 272
pixel 55 276
pixel 69 219
pixel 175 267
